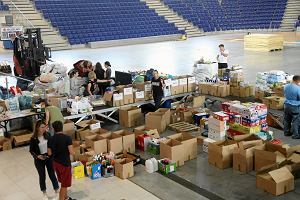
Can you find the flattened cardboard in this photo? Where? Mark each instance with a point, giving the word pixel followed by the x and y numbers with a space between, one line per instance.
pixel 189 142
pixel 173 150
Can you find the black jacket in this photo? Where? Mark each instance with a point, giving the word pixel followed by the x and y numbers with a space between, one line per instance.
pixel 34 146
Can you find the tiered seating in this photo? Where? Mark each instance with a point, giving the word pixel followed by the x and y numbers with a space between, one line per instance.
pixel 3 7
pixel 211 15
pixel 83 21
pixel 298 22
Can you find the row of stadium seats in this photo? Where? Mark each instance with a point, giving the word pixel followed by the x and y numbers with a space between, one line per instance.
pixel 83 21
pixel 216 15
pixel 3 7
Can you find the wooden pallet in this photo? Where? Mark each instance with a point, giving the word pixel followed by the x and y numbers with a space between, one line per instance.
pixel 184 127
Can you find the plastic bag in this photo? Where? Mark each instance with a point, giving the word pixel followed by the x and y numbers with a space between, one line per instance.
pixel 12 104
pixel 25 102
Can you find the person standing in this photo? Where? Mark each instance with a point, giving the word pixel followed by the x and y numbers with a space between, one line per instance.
pixel 53 114
pixel 107 74
pixel 60 147
pixel 222 57
pixel 38 150
pixel 99 71
pixel 292 108
pixel 157 84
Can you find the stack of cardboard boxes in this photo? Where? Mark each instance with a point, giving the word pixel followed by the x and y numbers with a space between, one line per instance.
pixel 217 126
pixel 220 89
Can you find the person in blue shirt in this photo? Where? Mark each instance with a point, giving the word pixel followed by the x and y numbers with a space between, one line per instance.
pixel 292 108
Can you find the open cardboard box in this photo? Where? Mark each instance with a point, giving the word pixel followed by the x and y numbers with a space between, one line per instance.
pixel 128 93
pixel 243 155
pixel 167 114
pixel 21 137
pixel 272 154
pixel 128 139
pixel 97 143
pixel 82 133
pixel 69 128
pixel 124 168
pixel 156 120
pixel 114 142
pixel 173 150
pixel 130 116
pixel 189 143
pixel 91 124
pixel 220 154
pixel 275 180
pixel 141 130
pixel 5 143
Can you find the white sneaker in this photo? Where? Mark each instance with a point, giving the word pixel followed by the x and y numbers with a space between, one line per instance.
pixel 45 196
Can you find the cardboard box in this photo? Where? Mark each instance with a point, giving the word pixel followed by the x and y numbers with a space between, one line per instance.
pixel 141 130
pixel 277 103
pixel 195 101
pixel 269 154
pixel 175 117
pixel 213 91
pixel 114 99
pixel 82 133
pixel 205 143
pixel 183 84
pixel 114 142
pixel 92 124
pixel 124 168
pixel 69 128
pixel 223 90
pixel 220 154
pixel 276 182
pixel 146 89
pixel 127 93
pixel 128 139
pixel 139 96
pixel 58 101
pixel 175 87
pixel 173 150
pixel 259 94
pixel 204 88
pixel 156 120
pixel 130 116
pixel 243 155
pixel 97 143
pixel 186 116
pixel 167 114
pixel 217 125
pixel 189 143
pixel 5 143
pixel 21 137
pixel 191 83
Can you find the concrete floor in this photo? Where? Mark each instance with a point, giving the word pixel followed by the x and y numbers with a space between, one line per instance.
pixel 177 58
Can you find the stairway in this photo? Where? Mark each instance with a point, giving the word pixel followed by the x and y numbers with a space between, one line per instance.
pixel 172 17
pixel 292 11
pixel 50 36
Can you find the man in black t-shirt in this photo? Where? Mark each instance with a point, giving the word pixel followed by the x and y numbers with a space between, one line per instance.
pixel 60 147
pixel 157 89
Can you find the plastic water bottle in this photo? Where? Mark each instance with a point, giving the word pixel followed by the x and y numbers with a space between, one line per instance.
pixel 149 166
pixel 155 164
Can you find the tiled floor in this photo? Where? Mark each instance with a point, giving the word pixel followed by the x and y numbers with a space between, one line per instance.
pixel 19 181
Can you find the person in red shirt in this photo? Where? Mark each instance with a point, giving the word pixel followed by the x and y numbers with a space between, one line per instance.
pixel 60 147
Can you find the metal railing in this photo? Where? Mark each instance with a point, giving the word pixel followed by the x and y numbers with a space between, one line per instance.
pixel 19 17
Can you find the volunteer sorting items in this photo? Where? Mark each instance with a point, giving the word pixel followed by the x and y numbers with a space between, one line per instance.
pixel 157 89
pixel 222 57
pixel 292 108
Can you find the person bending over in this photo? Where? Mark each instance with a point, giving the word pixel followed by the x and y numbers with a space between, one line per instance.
pixel 38 150
pixel 60 147
pixel 292 108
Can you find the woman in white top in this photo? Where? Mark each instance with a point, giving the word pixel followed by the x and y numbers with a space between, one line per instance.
pixel 38 149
